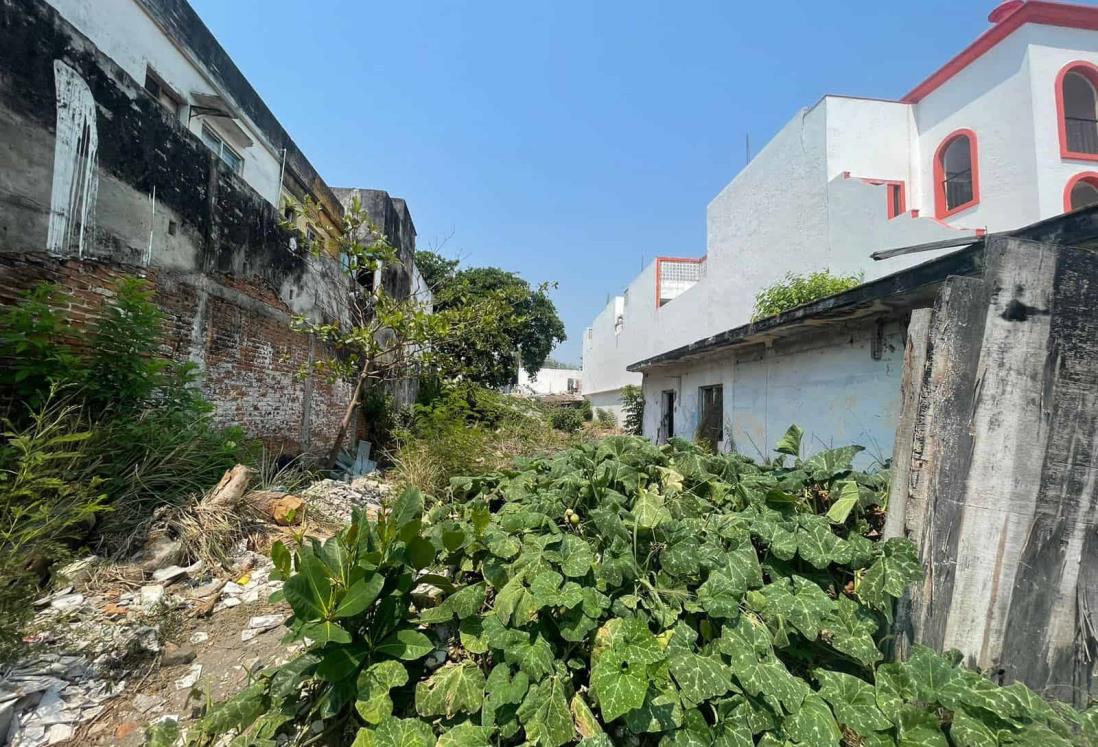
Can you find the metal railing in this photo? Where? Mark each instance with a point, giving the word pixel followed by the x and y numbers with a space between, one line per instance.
pixel 958 188
pixel 1082 134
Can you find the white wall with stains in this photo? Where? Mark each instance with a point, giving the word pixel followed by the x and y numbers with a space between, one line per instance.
pixel 829 383
pixel 123 31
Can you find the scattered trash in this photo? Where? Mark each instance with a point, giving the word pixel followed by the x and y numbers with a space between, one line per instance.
pixel 151 596
pixel 190 679
pixel 67 603
pixel 199 636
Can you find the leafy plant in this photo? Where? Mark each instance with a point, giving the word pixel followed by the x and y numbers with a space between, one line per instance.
pixel 796 289
pixel 34 352
pixel 44 505
pixel 566 419
pixel 632 405
pixel 605 418
pixel 624 593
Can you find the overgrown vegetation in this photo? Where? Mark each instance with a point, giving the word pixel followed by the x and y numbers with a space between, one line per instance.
pixel 461 428
pixel 100 427
pixel 796 289
pixel 623 593
pixel 632 406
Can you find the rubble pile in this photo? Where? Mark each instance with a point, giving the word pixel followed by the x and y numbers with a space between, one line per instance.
pixel 333 500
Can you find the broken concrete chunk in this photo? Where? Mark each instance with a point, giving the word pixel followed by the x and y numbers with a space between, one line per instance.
pixel 145 703
pixel 190 679
pixel 199 636
pixel 151 596
pixel 67 603
pixel 174 656
pixel 160 551
pixel 79 570
pixel 59 733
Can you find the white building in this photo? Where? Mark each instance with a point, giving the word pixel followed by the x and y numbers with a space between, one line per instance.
pixel 1003 135
pixel 550 381
pixel 155 41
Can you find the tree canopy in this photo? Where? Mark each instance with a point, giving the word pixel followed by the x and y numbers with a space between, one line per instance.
pixel 490 354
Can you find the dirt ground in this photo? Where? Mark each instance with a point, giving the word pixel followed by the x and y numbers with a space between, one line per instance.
pixel 226 663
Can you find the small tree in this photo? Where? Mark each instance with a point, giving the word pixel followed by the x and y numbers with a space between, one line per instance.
pixel 376 338
pixel 632 405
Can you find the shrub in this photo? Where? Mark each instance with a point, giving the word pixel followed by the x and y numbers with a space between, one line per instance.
pixel 623 593
pixel 632 405
pixel 45 505
pixel 605 418
pixel 566 419
pixel 34 353
pixel 586 410
pixel 795 290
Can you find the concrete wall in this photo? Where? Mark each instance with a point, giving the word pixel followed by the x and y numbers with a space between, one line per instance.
pixel 152 200
pixel 550 381
pixel 829 383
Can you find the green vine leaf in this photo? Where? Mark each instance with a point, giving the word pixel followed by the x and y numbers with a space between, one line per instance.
pixel 453 689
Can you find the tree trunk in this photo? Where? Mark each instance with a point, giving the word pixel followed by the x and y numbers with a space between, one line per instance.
pixel 344 424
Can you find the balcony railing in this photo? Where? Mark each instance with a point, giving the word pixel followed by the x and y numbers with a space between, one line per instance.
pixel 1082 134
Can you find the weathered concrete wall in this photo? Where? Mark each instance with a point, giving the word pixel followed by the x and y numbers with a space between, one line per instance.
pixel 999 486
pixel 149 198
pixel 841 384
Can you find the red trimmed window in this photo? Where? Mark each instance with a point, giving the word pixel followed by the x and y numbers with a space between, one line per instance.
pixel 1077 110
pixel 897 201
pixel 1081 191
pixel 956 174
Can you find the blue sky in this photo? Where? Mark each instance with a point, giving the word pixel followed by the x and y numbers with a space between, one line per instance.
pixel 566 141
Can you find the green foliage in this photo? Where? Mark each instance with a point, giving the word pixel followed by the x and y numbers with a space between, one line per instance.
pixel 624 593
pixel 567 419
pixel 45 504
pixel 460 428
pixel 489 352
pixel 796 289
pixel 632 402
pixel 605 418
pixel 140 434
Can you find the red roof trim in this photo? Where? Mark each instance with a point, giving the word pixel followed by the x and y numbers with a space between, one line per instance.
pixel 1034 11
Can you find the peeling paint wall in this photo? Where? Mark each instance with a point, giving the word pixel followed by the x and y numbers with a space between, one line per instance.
pixel 97 179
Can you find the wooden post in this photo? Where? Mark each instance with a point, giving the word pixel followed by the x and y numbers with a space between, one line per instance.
pixel 998 489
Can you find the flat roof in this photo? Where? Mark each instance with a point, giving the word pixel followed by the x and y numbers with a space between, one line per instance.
pixel 902 291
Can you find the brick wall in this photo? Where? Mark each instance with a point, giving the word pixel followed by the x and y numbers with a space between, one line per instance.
pixel 237 333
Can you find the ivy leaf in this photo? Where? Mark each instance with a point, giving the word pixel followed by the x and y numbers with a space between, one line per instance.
pixel 465 734
pixel 576 556
pixel 406 644
pixel 587 725
pixel 853 701
pixel 649 510
pixel 660 711
pixel 502 691
pixel 618 683
pixel 967 731
pixel 466 601
pixel 533 655
pixel 929 672
pixel 721 594
pixel 453 689
pixel 403 732
pixel 700 678
pixel 790 442
pixel 544 714
pixel 894 687
pixel 813 725
pixel 888 578
pixel 816 543
pixel 798 600
pixel 851 629
pixel 847 500
pixel 919 728
pixel 374 684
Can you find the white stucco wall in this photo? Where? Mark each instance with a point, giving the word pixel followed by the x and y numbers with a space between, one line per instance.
pixel 549 381
pixel 792 210
pixel 125 33
pixel 827 383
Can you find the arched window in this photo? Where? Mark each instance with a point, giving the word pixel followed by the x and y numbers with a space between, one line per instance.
pixel 1077 110
pixel 1081 191
pixel 956 174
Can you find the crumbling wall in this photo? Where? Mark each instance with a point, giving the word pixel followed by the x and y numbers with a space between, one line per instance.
pixel 159 204
pixel 996 468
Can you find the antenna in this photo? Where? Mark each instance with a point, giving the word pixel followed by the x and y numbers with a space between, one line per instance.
pixel 746 148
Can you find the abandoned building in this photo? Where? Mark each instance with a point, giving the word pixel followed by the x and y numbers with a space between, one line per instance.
pixel 134 145
pixel 1001 136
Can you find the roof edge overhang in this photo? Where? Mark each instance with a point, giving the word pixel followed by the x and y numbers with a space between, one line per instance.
pixel 1034 11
